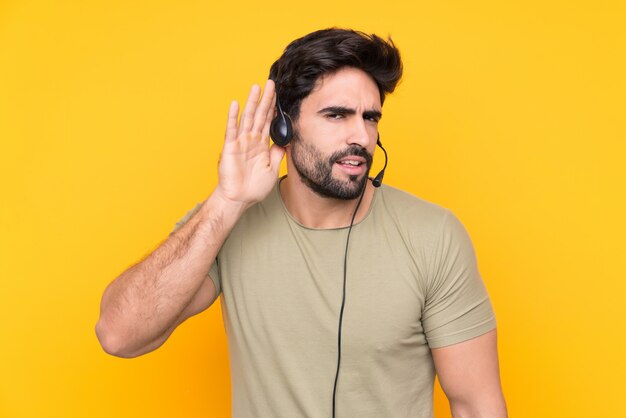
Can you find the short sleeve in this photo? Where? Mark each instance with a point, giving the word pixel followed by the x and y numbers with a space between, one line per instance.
pixel 186 218
pixel 214 270
pixel 457 306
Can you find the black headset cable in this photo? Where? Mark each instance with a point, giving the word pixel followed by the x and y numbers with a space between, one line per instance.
pixel 343 300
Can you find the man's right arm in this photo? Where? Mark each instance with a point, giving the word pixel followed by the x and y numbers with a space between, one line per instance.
pixel 143 306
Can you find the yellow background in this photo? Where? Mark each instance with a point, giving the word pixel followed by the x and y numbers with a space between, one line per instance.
pixel 111 120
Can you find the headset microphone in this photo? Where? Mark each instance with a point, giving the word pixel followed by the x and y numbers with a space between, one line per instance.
pixel 378 180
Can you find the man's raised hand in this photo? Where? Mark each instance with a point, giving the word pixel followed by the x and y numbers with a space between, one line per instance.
pixel 248 166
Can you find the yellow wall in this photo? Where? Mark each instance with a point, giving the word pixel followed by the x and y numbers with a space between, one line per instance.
pixel 111 121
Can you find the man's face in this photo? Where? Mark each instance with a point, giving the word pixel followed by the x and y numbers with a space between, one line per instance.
pixel 336 132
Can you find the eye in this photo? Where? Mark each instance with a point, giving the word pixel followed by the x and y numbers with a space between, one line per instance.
pixel 334 116
pixel 372 116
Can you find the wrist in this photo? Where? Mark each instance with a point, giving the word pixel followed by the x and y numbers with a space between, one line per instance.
pixel 225 207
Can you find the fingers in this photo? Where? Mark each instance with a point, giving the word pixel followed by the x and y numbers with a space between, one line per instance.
pixel 265 134
pixel 231 123
pixel 247 119
pixel 257 115
pixel 265 107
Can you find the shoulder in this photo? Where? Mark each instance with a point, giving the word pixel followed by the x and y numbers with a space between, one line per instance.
pixel 412 212
pixel 264 217
pixel 425 225
pixel 269 207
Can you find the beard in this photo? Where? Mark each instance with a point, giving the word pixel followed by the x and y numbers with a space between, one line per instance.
pixel 316 171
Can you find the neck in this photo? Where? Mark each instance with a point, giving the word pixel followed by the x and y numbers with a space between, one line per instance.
pixel 315 211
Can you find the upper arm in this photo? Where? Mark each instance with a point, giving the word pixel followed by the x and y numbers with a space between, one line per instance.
pixel 203 299
pixel 469 375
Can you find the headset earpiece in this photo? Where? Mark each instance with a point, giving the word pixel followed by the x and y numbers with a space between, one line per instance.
pixel 281 129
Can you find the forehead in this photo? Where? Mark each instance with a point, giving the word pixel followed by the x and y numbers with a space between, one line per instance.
pixel 348 87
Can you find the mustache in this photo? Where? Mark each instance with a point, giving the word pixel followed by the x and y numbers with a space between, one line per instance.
pixel 352 150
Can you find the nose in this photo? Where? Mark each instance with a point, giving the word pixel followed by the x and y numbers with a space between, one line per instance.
pixel 360 134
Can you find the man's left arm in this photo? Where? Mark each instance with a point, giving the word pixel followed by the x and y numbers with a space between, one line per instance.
pixel 469 375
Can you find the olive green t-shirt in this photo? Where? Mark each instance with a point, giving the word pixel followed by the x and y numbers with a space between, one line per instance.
pixel 412 285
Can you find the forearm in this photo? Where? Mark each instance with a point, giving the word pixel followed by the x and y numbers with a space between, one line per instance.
pixel 146 300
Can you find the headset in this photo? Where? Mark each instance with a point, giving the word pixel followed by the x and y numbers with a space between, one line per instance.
pixel 281 128
pixel 281 131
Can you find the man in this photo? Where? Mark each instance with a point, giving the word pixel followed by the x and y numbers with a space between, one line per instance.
pixel 339 298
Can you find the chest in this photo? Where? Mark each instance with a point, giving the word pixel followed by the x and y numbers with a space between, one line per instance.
pixel 285 289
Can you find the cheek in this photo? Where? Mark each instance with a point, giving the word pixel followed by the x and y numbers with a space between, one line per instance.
pixel 307 152
pixel 320 142
pixel 321 133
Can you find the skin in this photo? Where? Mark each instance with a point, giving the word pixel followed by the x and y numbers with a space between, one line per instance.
pixel 470 377
pixel 142 307
pixel 321 127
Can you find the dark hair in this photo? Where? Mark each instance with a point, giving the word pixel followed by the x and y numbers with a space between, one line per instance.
pixel 326 51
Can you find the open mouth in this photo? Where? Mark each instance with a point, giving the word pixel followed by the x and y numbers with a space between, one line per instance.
pixel 350 163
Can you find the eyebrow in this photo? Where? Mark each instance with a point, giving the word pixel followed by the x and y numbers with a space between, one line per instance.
pixel 341 110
